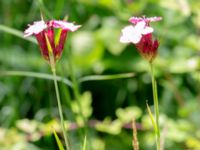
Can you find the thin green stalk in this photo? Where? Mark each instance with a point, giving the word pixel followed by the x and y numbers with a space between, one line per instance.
pixel 53 69
pixel 156 106
pixel 60 109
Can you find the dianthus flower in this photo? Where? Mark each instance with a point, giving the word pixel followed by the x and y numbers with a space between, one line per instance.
pixel 43 30
pixel 140 34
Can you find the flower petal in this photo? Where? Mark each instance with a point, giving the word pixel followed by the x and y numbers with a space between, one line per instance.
pixel 130 35
pixel 65 25
pixel 140 26
pixel 135 20
pixel 136 38
pixel 36 28
pixel 153 19
pixel 147 30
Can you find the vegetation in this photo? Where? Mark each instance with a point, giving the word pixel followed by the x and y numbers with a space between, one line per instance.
pixel 103 84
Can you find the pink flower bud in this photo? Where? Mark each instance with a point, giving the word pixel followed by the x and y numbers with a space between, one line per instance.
pixel 147 47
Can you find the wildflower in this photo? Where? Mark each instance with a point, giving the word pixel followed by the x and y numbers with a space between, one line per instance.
pixel 140 34
pixel 43 30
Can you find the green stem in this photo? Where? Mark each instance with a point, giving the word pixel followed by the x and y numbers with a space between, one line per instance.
pixel 156 106
pixel 60 109
pixel 53 69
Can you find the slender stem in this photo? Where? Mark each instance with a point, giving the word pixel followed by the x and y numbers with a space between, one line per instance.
pixel 60 110
pixel 53 69
pixel 156 106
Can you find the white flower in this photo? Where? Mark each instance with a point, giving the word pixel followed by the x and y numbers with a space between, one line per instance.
pixel 133 34
pixel 36 28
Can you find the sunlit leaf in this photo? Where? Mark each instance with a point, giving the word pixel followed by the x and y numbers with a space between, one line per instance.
pixel 85 143
pixel 58 140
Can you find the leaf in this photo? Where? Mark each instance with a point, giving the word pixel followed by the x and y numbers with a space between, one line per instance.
pixel 57 37
pixel 58 141
pixel 152 119
pixel 35 75
pixel 106 77
pixel 85 143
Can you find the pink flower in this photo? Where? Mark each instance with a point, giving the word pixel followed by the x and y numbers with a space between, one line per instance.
pixel 140 34
pixel 135 20
pixel 41 29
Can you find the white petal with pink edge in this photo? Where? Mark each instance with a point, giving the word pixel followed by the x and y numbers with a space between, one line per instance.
pixel 36 28
pixel 135 20
pixel 65 25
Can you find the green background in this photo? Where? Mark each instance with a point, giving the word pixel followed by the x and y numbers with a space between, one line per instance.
pixel 28 106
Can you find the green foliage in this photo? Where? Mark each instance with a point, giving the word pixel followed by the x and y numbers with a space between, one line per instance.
pixel 111 96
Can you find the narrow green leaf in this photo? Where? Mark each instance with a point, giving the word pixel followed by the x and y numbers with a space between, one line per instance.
pixel 35 75
pixel 57 37
pixel 85 143
pixel 106 77
pixel 58 34
pixel 58 141
pixel 151 117
pixel 17 33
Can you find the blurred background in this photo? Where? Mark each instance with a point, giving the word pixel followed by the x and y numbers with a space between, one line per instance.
pixel 28 106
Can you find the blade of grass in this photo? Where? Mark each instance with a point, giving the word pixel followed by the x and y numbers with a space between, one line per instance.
pixel 106 77
pixel 60 146
pixel 156 130
pixel 35 75
pixel 16 33
pixel 151 117
pixel 85 143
